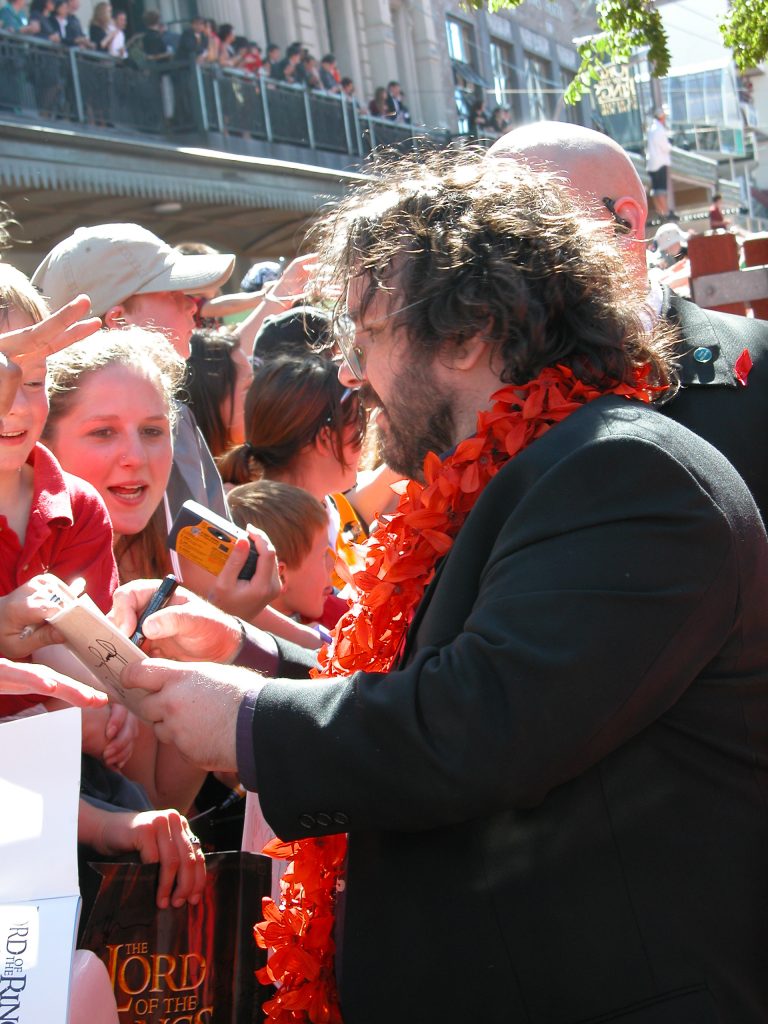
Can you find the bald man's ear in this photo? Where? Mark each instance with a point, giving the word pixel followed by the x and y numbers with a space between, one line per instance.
pixel 634 213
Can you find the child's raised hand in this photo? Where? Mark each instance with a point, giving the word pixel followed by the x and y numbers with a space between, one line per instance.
pixel 69 324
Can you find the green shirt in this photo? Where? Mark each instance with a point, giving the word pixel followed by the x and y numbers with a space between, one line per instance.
pixel 12 20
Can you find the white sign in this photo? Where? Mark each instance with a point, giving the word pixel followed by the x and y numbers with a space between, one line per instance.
pixel 39 894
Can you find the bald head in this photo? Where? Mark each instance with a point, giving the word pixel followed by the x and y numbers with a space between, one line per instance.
pixel 593 164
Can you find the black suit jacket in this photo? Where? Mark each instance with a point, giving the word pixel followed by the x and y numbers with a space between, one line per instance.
pixel 711 402
pixel 557 804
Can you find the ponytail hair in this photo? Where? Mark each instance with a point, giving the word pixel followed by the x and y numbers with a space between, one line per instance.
pixel 288 403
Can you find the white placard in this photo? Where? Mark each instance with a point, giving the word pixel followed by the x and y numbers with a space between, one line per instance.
pixel 39 895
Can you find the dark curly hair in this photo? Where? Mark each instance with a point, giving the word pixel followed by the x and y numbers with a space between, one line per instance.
pixel 466 246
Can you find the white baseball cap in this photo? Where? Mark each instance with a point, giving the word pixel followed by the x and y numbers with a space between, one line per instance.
pixel 111 262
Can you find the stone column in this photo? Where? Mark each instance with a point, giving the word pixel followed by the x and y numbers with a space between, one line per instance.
pixel 435 83
pixel 381 50
pixel 346 44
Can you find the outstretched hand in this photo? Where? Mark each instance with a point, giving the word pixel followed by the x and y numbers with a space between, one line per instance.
pixel 44 681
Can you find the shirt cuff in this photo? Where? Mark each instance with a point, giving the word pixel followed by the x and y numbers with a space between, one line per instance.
pixel 246 757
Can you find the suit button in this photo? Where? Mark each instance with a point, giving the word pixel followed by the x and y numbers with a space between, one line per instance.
pixel 702 354
pixel 324 820
pixel 340 818
pixel 307 821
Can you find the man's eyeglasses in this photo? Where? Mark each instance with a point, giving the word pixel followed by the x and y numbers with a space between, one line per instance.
pixel 346 334
pixel 621 224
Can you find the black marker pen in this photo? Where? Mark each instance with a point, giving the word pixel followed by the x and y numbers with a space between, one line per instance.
pixel 159 600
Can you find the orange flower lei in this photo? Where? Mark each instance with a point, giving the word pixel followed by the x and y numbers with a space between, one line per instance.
pixel 400 560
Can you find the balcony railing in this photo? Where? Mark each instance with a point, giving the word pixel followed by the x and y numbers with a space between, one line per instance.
pixel 46 82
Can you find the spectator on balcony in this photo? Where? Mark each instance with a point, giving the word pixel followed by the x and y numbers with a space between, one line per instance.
pixel 45 72
pixel 330 76
pixel 213 43
pixel 226 34
pixel 253 60
pixel 117 47
pixel 396 108
pixel 151 44
pixel 59 16
pixel 101 28
pixel 13 19
pixel 73 31
pixel 285 69
pixel 308 73
pixel 97 88
pixel 271 59
pixel 378 105
pixel 193 42
pixel 348 91
pixel 41 11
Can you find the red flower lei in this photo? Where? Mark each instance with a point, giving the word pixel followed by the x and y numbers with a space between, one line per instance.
pixel 400 559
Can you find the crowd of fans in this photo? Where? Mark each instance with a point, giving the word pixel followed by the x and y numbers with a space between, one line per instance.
pixel 203 41
pixel 164 404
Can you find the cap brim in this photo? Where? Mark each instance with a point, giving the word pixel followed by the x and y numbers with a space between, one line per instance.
pixel 191 274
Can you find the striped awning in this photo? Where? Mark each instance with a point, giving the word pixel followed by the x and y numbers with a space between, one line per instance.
pixel 36 158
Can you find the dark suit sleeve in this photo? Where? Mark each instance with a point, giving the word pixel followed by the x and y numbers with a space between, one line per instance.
pixel 295 661
pixel 610 585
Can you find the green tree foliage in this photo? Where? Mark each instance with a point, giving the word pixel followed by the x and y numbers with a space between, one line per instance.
pixel 745 32
pixel 626 25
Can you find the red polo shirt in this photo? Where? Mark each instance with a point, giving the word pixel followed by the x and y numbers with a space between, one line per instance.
pixel 68 534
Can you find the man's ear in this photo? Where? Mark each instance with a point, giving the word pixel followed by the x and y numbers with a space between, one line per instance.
pixel 115 316
pixel 467 354
pixel 632 211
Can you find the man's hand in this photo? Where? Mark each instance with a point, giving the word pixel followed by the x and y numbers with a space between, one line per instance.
pixel 187 629
pixel 23 612
pixel 43 680
pixel 194 707
pixel 162 837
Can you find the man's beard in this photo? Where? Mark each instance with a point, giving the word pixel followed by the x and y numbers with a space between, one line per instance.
pixel 419 418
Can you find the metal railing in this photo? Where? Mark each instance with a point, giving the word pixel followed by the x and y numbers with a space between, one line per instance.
pixel 43 81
